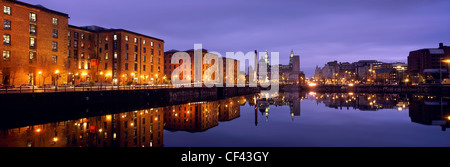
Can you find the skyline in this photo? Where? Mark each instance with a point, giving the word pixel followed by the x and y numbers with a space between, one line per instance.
pixel 344 31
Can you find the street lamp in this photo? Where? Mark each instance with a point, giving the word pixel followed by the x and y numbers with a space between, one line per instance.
pixel 56 79
pixel 39 77
pixel 101 77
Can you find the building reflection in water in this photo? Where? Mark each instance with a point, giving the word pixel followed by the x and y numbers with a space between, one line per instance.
pixel 430 110
pixel 144 128
pixel 291 99
pixel 423 109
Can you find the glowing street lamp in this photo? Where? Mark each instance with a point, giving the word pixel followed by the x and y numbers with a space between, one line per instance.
pixel 39 77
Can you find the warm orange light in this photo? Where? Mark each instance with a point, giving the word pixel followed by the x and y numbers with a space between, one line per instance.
pixel 156 119
pixel 84 74
pixel 101 73
pixel 40 72
pixel 350 85
pixel 447 60
pixel 132 124
pixel 57 71
pixel 312 84
pixel 108 117
pixel 100 130
pixel 55 139
pixel 448 117
pixel 38 130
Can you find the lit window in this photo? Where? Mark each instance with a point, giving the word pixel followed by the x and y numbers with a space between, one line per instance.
pixel 6 55
pixel 106 56
pixel 32 56
pixel 75 44
pixel 143 42
pixel 6 24
pixel 135 57
pixel 68 33
pixel 151 43
pixel 7 10
pixel 55 33
pixel 135 40
pixel 54 46
pixel 126 37
pixel 54 59
pixel 33 17
pixel 106 38
pixel 55 21
pixel 115 55
pixel 68 42
pixel 32 29
pixel 144 58
pixel 82 36
pixel 6 39
pixel 115 37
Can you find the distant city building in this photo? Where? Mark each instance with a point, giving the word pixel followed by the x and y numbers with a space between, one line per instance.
pixel 291 74
pixel 365 71
pixel 426 65
pixel 222 64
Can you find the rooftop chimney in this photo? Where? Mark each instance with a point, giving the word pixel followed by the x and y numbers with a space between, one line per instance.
pixel 441 45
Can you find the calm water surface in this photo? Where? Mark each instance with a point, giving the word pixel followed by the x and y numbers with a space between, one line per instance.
pixel 288 120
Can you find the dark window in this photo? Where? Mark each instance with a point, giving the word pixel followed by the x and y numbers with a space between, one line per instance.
pixel 135 57
pixel 144 50
pixel 126 46
pixel 6 24
pixel 54 46
pixel 126 66
pixel 135 67
pixel 143 67
pixel 151 51
pixel 135 48
pixel 126 56
pixel 106 46
pixel 106 66
pixel 75 35
pixel 55 33
pixel 54 59
pixel 75 44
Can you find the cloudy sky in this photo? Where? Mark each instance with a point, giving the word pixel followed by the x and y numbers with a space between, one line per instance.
pixel 317 30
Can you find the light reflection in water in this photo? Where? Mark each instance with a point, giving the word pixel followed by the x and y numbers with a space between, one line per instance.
pixel 144 128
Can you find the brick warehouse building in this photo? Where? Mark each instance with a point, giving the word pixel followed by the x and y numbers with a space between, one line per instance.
pixel 40 47
pixel 169 67
pixel 115 56
pixel 34 40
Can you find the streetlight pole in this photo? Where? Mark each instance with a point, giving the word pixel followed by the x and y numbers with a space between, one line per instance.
pixel 101 77
pixel 39 77
pixel 56 80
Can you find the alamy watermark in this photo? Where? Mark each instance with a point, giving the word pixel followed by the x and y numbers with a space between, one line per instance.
pixel 211 69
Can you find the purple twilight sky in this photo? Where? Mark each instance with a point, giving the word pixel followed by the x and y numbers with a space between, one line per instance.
pixel 317 30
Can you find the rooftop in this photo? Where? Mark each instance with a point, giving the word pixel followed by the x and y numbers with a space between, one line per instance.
pixel 40 7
